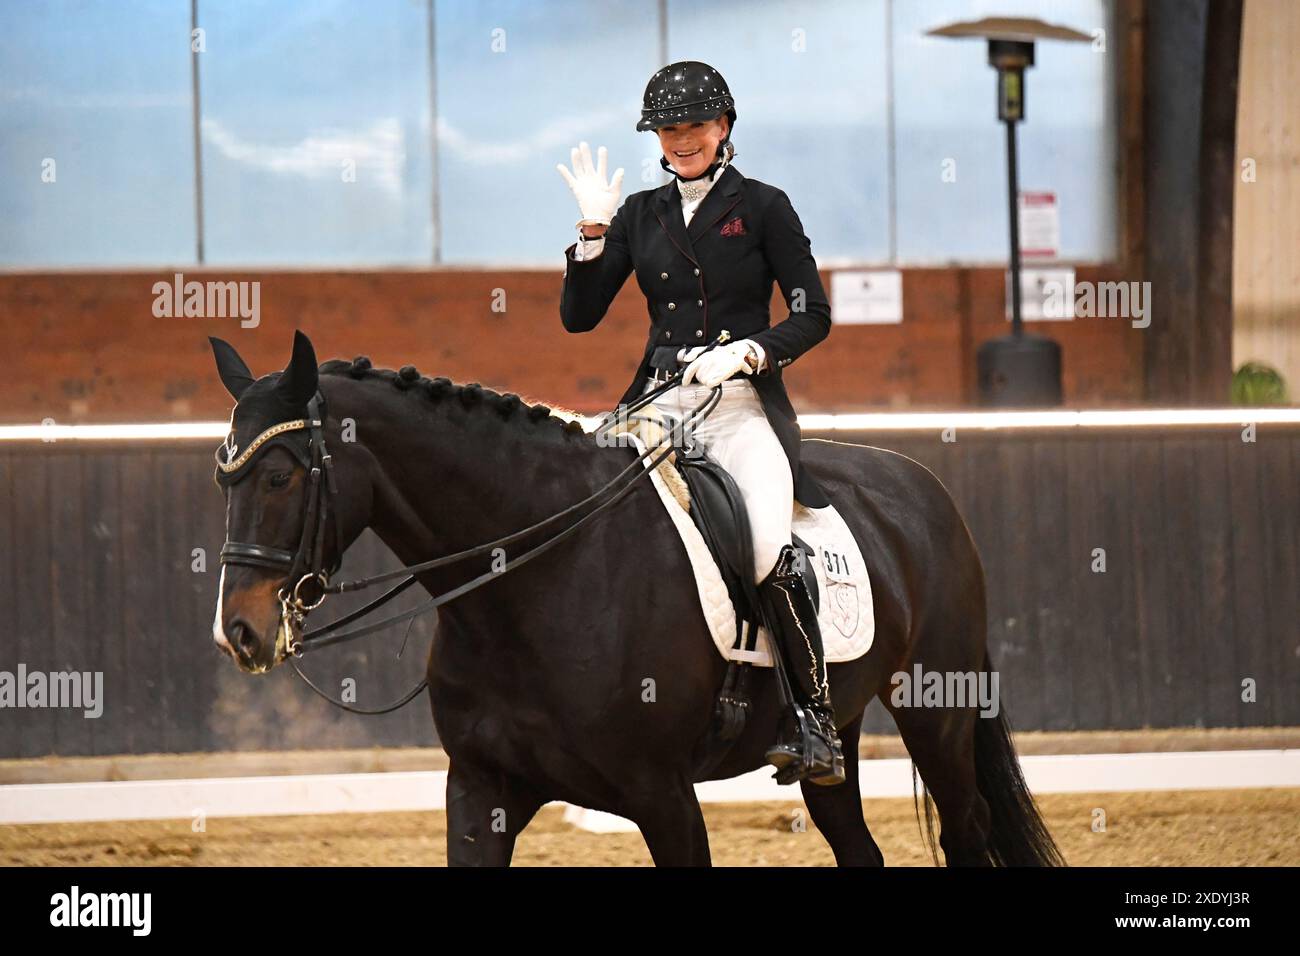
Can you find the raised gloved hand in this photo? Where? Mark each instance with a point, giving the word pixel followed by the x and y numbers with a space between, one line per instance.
pixel 719 364
pixel 597 199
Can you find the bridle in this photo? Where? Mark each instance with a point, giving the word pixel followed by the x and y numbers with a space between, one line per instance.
pixel 304 568
pixel 306 565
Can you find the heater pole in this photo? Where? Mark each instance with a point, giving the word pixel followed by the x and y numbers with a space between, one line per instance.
pixel 1013 212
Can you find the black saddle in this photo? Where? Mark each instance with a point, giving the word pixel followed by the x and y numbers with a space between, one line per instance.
pixel 718 511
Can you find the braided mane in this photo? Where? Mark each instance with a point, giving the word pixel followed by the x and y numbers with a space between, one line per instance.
pixel 439 389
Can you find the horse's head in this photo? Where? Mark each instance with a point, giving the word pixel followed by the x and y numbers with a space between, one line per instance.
pixel 273 470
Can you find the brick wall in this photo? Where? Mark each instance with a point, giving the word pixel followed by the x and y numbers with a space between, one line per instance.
pixel 87 347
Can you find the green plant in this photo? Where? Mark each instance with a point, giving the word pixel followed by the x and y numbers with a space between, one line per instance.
pixel 1258 384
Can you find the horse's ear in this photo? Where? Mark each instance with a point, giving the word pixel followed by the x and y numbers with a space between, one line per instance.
pixel 300 379
pixel 234 373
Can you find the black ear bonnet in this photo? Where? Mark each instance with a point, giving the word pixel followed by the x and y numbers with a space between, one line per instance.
pixel 238 453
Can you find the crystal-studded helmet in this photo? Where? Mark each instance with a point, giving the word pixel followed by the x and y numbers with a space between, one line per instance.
pixel 686 92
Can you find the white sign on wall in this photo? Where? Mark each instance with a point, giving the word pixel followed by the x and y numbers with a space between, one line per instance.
pixel 1045 294
pixel 867 297
pixel 1040 225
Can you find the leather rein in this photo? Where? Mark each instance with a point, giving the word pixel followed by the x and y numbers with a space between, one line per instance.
pixel 305 566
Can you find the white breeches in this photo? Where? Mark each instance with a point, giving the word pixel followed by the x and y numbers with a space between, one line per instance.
pixel 737 436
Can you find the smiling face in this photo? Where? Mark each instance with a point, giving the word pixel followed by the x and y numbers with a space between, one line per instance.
pixel 690 148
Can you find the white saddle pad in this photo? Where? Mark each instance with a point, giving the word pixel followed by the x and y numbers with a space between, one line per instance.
pixel 845 613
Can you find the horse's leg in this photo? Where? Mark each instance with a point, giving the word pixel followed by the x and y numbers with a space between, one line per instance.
pixel 941 742
pixel 837 810
pixel 486 810
pixel 672 824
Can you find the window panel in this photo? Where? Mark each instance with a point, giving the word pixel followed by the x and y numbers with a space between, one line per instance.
pixel 810 88
pixel 318 148
pixel 315 132
pixel 106 96
pixel 519 85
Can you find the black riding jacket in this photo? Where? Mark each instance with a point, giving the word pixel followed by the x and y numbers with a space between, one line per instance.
pixel 717 274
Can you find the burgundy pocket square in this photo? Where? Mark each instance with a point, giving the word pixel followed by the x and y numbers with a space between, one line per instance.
pixel 734 228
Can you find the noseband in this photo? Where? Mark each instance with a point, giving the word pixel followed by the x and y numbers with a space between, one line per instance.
pixel 305 565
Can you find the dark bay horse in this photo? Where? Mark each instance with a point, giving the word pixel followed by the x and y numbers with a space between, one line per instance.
pixel 590 676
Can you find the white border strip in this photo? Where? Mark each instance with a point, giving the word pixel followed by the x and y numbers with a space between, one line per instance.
pixel 223 797
pixel 866 421
pixel 426 790
pixel 1079 418
pixel 131 432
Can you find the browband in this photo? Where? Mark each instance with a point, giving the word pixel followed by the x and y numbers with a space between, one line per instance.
pixel 232 465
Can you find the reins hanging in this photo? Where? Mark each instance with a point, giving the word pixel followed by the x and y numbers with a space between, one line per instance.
pixel 651 459
pixel 306 564
pixel 321 638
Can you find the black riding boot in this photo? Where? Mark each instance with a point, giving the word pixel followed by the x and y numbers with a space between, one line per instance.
pixel 808 748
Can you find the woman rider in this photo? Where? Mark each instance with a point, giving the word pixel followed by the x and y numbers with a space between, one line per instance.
pixel 705 249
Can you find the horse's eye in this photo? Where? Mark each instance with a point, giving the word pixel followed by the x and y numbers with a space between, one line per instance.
pixel 279 479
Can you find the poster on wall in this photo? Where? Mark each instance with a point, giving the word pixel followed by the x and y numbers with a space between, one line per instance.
pixel 1040 225
pixel 1045 294
pixel 867 297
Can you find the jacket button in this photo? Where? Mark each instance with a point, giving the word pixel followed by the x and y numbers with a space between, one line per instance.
pixel 700 303
pixel 699 333
pixel 697 272
pixel 668 333
pixel 664 275
pixel 672 306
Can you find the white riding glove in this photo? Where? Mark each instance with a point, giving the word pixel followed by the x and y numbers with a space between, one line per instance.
pixel 718 365
pixel 597 199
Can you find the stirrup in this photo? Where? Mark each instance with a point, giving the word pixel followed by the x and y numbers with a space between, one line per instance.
pixel 814 753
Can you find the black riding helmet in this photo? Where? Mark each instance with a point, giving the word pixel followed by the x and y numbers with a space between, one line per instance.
pixel 686 92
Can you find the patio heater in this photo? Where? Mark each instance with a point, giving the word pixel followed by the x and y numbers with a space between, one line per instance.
pixel 1017 369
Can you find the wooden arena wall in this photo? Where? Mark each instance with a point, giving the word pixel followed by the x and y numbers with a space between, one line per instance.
pixel 92 350
pixel 1198 528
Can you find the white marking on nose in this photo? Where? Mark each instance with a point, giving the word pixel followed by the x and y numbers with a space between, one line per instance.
pixel 219 631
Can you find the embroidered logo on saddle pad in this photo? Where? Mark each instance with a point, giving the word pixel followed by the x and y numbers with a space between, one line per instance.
pixel 841 589
pixel 845 611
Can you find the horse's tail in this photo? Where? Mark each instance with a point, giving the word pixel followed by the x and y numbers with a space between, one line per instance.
pixel 1017 834
pixel 921 799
